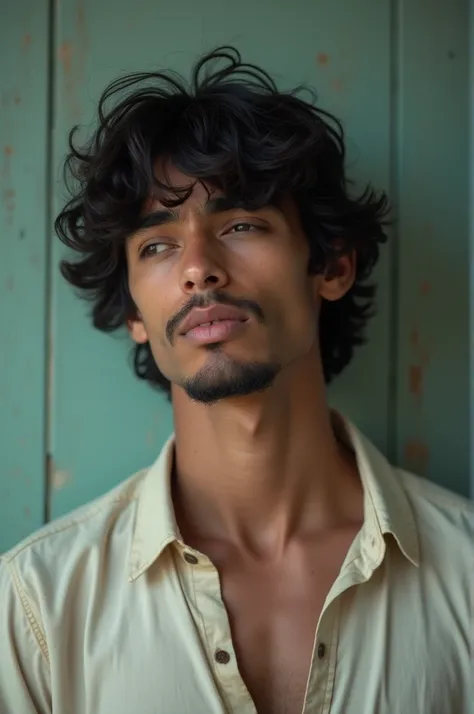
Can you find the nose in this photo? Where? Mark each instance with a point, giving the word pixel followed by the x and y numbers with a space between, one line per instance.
pixel 202 266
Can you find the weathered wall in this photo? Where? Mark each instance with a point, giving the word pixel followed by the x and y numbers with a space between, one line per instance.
pixel 394 71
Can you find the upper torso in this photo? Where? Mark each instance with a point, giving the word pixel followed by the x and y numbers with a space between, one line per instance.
pixel 108 611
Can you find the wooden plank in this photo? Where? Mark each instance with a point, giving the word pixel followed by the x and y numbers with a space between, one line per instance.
pixel 433 300
pixel 471 234
pixel 105 425
pixel 23 241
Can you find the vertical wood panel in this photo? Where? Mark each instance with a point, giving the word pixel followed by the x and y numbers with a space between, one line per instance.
pixel 105 424
pixel 23 241
pixel 433 352
pixel 471 238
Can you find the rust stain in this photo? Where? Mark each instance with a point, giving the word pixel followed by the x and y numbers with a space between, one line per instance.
pixel 27 512
pixel 417 455
pixel 26 42
pixel 17 99
pixel 8 150
pixel 415 380
pixel 425 288
pixel 65 53
pixel 322 58
pixel 10 283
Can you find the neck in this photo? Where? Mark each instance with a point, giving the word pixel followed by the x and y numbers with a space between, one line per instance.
pixel 256 470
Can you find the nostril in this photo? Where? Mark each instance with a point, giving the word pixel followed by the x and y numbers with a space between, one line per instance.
pixel 212 279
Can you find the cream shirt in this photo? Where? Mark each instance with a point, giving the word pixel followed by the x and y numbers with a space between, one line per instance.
pixel 107 611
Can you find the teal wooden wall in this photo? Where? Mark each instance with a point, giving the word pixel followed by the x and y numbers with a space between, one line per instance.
pixel 73 419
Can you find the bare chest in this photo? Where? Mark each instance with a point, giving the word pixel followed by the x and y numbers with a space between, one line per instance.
pixel 274 614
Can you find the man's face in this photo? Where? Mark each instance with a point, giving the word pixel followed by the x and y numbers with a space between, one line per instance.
pixel 223 294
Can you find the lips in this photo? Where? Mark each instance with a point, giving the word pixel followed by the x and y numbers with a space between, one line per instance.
pixel 206 317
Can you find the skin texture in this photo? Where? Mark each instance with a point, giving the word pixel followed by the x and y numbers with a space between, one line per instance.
pixel 262 486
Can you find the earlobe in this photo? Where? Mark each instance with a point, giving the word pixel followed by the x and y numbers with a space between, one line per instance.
pixel 137 330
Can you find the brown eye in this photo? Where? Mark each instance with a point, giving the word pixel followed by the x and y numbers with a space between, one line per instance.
pixel 243 228
pixel 152 249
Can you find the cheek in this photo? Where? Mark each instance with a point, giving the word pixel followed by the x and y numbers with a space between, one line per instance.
pixel 150 308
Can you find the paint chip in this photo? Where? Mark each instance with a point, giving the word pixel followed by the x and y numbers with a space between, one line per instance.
pixel 60 478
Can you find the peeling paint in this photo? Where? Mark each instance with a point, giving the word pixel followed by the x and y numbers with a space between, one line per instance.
pixel 60 478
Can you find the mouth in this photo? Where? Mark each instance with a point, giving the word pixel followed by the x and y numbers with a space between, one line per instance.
pixel 216 331
pixel 213 324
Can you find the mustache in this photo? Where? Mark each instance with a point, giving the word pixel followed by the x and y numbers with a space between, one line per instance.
pixel 211 298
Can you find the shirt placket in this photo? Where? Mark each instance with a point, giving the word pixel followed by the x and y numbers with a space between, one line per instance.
pixel 323 662
pixel 209 612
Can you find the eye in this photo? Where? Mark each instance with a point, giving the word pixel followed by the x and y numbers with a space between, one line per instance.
pixel 243 227
pixel 148 251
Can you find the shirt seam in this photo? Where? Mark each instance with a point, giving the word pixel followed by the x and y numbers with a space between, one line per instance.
pixel 9 557
pixel 37 630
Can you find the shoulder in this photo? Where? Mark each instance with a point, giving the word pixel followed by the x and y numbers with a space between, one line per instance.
pixel 444 520
pixel 52 551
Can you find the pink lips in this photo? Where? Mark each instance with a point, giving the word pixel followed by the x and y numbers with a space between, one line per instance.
pixel 213 324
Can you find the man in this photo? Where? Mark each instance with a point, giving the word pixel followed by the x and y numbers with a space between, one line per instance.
pixel 271 560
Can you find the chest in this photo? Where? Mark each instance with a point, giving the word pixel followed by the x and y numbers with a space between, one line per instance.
pixel 273 616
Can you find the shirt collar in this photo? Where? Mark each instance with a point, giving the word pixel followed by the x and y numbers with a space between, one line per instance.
pixel 155 522
pixel 387 509
pixel 386 506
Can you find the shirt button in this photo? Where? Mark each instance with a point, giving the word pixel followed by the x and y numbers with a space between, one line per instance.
pixel 321 650
pixel 190 558
pixel 222 657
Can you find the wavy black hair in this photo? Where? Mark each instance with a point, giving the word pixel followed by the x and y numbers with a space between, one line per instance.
pixel 231 128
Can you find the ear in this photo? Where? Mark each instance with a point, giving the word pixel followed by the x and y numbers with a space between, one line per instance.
pixel 338 278
pixel 137 329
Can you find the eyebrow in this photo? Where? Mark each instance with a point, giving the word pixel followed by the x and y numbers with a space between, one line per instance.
pixel 213 206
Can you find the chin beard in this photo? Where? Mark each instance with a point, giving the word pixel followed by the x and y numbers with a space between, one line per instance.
pixel 230 378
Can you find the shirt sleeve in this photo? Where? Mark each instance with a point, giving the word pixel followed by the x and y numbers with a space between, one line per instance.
pixel 24 666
